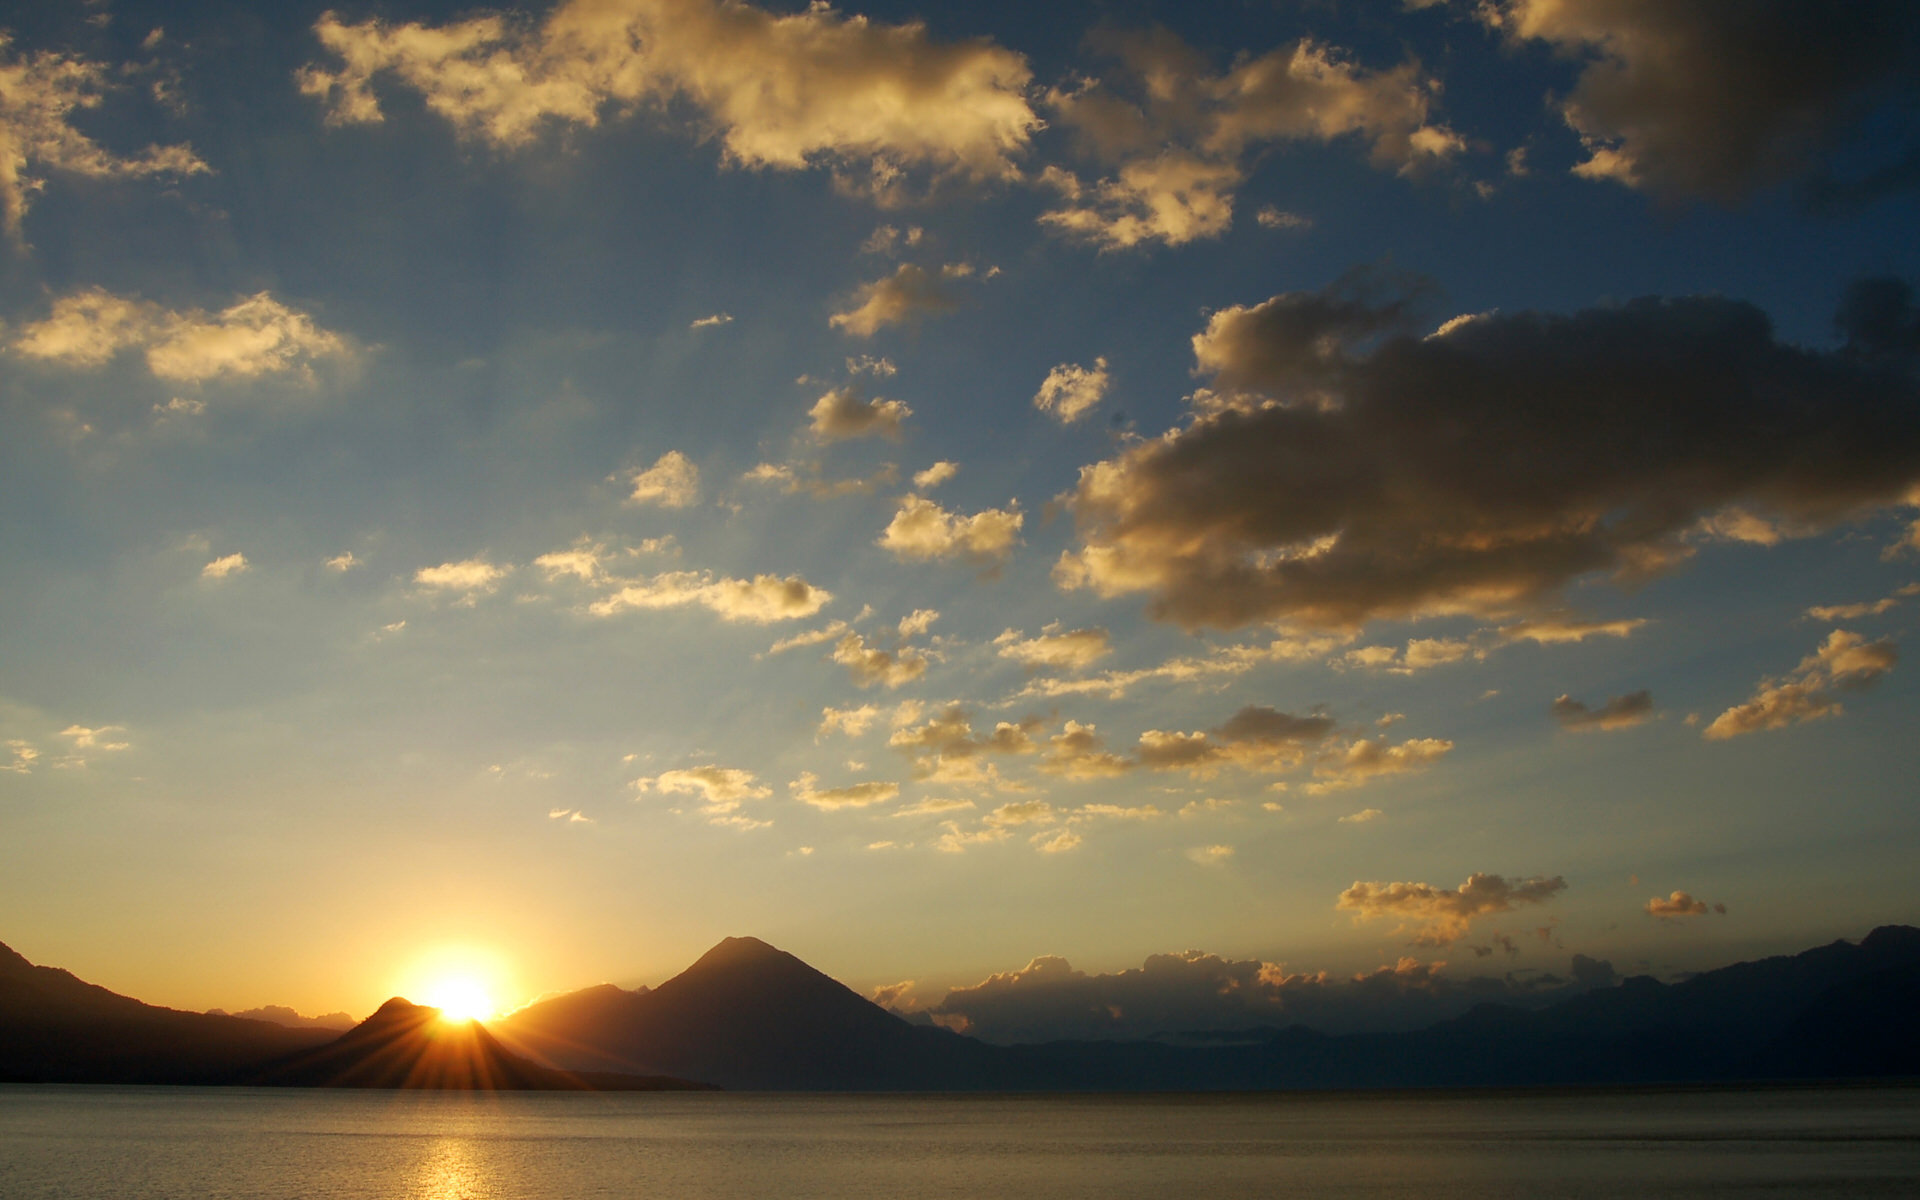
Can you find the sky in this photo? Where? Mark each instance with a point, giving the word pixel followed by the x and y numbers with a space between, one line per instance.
pixel 974 495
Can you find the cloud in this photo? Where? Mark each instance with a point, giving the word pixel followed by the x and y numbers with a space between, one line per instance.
pixel 1209 856
pixel 1419 654
pixel 1555 628
pixel 226 566
pixel 1621 712
pixel 1220 661
pixel 1441 915
pixel 21 755
pixel 96 738
pixel 472 578
pixel 1056 841
pixel 777 90
pixel 722 792
pixel 858 795
pixel 761 600
pixel 1173 994
pixel 806 477
pixel 39 94
pixel 1182 135
pixel 1020 812
pixel 1681 904
pixel 343 562
pixel 938 744
pixel 1346 470
pixel 671 482
pixel 1070 392
pixel 712 322
pixel 1071 650
pixel 922 530
pixel 956 840
pixel 843 414
pixel 1700 98
pixel 1363 817
pixel 1363 760
pixel 1270 217
pixel 906 295
pixel 916 623
pixel 1078 752
pixel 1852 612
pixel 872 664
pixel 935 475
pixel 933 805
pixel 1256 738
pixel 252 337
pixel 812 637
pixel 851 721
pixel 1845 661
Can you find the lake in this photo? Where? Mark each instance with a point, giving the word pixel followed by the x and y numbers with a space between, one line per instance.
pixel 83 1143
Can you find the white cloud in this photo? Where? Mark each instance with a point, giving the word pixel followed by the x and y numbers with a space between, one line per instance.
pixel 39 94
pixel 1441 916
pixel 871 664
pixel 252 337
pixel 1364 760
pixel 922 529
pixel 472 577
pixel 760 600
pixel 722 792
pixel 1070 392
pixel 917 622
pixel 857 795
pixel 843 413
pixel 1363 817
pixel 1073 649
pixel 935 475
pixel 224 567
pixel 906 295
pixel 777 90
pixel 673 481
pixel 1845 661
pixel 712 322
pixel 851 721
pixel 343 562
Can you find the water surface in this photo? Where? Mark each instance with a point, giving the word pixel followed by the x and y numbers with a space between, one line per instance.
pixel 89 1143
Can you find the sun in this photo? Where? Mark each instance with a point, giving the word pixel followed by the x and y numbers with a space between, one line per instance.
pixel 461 999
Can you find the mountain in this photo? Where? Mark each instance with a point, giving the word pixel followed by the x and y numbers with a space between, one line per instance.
pixel 407 1045
pixel 55 1028
pixel 750 1016
pixel 747 1015
pixel 280 1014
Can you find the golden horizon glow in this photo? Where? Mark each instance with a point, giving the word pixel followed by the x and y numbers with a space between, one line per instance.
pixel 461 999
pixel 466 982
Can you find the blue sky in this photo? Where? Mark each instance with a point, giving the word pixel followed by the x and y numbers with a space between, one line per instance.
pixel 934 487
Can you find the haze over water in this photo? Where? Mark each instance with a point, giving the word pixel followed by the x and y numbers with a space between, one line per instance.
pixel 240 1144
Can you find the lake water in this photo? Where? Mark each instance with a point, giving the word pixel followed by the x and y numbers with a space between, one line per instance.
pixel 84 1143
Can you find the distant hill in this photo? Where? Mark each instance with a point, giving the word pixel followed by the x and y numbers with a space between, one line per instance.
pixel 407 1045
pixel 280 1014
pixel 750 1016
pixel 55 1028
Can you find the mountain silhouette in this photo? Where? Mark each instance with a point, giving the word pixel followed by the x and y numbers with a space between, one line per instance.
pixel 55 1028
pixel 750 1016
pixel 406 1045
pixel 747 1015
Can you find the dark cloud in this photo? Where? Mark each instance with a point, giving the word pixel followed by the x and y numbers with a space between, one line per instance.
pixel 1483 468
pixel 1717 97
pixel 1621 712
pixel 1194 991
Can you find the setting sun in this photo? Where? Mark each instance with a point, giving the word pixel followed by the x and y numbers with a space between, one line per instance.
pixel 461 1000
